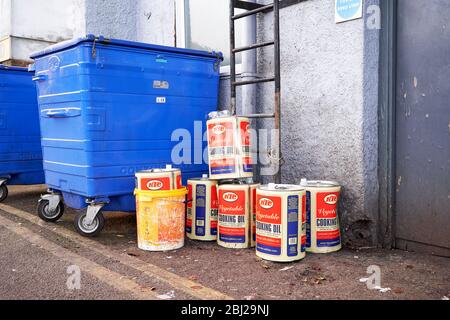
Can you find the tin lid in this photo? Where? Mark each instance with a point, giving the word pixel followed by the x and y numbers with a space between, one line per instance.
pixel 250 181
pixel 318 183
pixel 232 181
pixel 122 43
pixel 168 168
pixel 219 114
pixel 204 177
pixel 281 187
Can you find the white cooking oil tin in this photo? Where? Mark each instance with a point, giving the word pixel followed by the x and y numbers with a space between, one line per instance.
pixel 229 153
pixel 159 179
pixel 202 209
pixel 279 222
pixel 236 223
pixel 322 221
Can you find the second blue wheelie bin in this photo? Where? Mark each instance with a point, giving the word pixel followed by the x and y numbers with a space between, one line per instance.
pixel 20 141
pixel 109 108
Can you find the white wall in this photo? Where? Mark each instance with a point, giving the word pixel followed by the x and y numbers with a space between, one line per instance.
pixel 155 21
pixel 32 25
pixel 48 20
pixel 5 18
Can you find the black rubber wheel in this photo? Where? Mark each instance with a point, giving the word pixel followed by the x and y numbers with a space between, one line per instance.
pixel 3 192
pixel 45 214
pixel 91 230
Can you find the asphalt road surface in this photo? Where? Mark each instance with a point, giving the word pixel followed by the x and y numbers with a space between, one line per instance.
pixel 41 260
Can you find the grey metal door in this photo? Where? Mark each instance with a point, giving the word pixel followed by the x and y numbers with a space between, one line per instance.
pixel 422 212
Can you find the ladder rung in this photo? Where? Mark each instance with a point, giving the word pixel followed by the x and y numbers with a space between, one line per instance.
pixel 259 115
pixel 239 4
pixel 252 12
pixel 243 83
pixel 254 46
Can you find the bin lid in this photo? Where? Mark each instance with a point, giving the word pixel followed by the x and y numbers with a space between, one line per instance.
pixel 124 43
pixel 8 68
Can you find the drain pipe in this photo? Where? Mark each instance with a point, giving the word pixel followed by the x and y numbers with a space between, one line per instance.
pixel 248 72
pixel 248 66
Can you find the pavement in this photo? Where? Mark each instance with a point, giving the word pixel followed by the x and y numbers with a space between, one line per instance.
pixel 51 261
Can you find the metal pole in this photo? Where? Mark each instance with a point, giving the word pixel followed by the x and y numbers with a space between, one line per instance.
pixel 232 61
pixel 276 29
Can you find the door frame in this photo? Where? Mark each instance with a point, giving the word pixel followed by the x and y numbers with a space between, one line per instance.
pixel 387 123
pixel 387 175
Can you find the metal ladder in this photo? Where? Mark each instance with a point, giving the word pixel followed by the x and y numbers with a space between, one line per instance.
pixel 253 9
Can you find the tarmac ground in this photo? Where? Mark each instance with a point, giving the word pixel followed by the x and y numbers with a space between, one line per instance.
pixel 51 261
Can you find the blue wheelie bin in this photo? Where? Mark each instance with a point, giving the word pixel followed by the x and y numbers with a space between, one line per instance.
pixel 20 141
pixel 109 108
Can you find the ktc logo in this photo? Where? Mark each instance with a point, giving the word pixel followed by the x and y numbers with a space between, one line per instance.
pixel 331 199
pixel 230 196
pixel 154 185
pixel 265 203
pixel 218 129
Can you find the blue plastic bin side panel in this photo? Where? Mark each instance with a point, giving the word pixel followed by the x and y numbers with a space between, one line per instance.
pixel 118 203
pixel 20 143
pixel 107 115
pixel 26 178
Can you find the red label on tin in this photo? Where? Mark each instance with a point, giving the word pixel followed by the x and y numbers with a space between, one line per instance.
pixel 221 134
pixel 327 224
pixel 304 221
pixel 178 181
pixel 268 209
pixel 327 205
pixel 232 216
pixel 304 209
pixel 232 202
pixel 253 212
pixel 268 224
pixel 268 242
pixel 214 199
pixel 247 160
pixel 155 184
pixel 245 133
pixel 189 197
pixel 189 210
pixel 214 206
pixel 231 162
pixel 326 235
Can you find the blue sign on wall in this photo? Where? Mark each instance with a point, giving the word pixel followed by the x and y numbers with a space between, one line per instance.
pixel 348 10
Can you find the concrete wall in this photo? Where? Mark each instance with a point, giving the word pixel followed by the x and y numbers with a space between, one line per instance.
pixel 112 18
pixel 136 20
pixel 156 21
pixel 329 107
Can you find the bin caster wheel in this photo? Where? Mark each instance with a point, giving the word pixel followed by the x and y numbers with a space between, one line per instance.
pixel 89 230
pixel 3 192
pixel 46 214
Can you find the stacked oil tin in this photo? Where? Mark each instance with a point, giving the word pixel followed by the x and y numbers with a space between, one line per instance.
pixel 283 222
pixel 222 206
